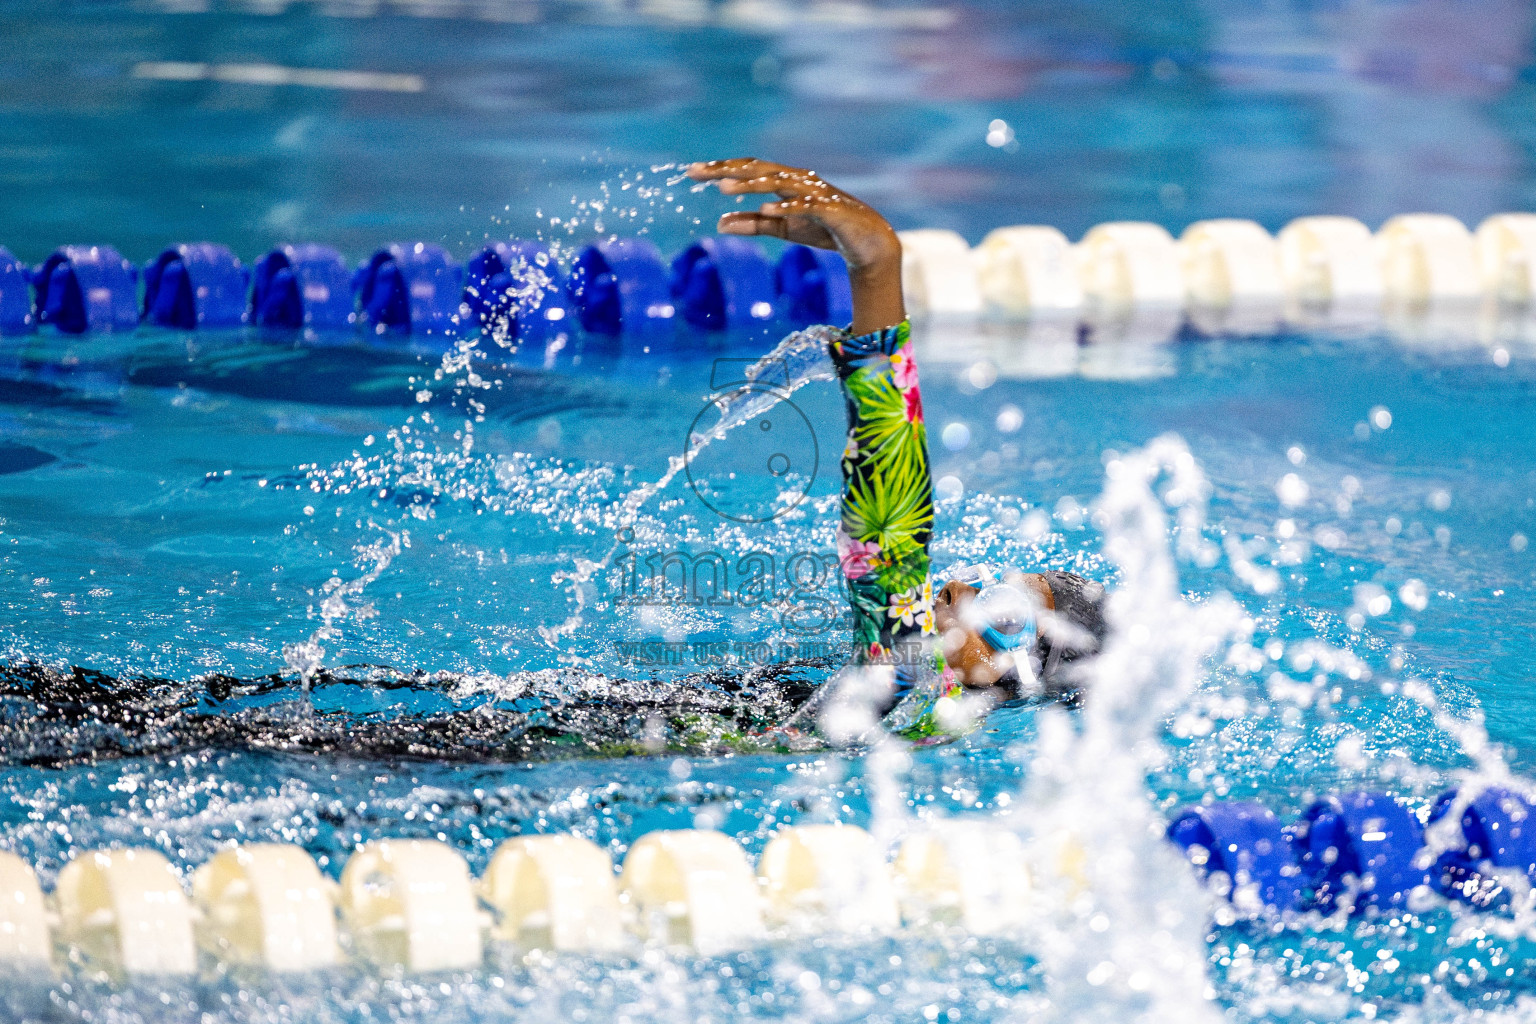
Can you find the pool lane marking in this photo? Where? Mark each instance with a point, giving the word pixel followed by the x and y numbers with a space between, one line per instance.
pixel 277 74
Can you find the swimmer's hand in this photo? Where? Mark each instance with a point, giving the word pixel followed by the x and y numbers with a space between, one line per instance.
pixel 812 212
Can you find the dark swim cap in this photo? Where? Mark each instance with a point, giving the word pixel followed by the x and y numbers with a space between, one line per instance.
pixel 1071 634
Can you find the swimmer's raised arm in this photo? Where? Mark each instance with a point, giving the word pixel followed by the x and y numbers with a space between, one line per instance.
pixel 813 212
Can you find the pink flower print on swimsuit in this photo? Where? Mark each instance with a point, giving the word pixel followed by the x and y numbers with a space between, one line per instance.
pixel 855 556
pixel 904 368
pixel 914 400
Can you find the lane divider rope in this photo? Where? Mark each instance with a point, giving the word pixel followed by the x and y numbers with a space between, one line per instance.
pixel 413 904
pixel 1227 275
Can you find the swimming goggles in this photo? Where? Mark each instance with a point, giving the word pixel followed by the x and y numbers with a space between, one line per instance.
pixel 1001 613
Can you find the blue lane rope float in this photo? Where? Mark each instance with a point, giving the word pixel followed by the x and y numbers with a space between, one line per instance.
pixel 414 288
pixel 87 288
pixel 16 314
pixel 1364 844
pixel 200 284
pixel 303 286
pixel 515 286
pixel 1364 848
pixel 616 287
pixel 1244 841
pixel 813 286
pixel 620 287
pixel 1499 827
pixel 723 283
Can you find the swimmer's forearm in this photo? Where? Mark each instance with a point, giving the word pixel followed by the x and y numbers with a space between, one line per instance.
pixel 877 298
pixel 815 212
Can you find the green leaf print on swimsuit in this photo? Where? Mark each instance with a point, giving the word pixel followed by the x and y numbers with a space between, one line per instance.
pixel 887 519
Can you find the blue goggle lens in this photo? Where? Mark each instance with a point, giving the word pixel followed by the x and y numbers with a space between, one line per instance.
pixel 1004 616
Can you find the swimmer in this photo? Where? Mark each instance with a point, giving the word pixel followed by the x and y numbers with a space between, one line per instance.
pixel 994 632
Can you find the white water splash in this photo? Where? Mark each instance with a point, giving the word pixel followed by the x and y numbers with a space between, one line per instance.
pixel 1126 943
pixel 457 369
pixel 801 356
pixel 1121 935
pixel 339 601
pixel 531 281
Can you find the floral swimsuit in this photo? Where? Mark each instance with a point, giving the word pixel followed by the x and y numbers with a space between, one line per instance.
pixel 887 521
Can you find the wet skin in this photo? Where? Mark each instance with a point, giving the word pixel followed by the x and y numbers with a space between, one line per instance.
pixel 814 212
pixel 973 659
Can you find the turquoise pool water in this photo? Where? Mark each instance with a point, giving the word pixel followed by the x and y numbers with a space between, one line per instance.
pixel 178 508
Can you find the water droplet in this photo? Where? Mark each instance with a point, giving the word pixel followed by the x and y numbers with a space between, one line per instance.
pixel 999 134
pixel 981 375
pixel 1292 490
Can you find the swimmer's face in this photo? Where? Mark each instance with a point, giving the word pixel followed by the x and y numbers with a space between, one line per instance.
pixel 965 651
pixel 972 658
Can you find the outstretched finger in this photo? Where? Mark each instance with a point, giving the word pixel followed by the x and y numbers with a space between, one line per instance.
pixel 830 209
pixel 753 223
pixel 762 176
pixel 792 220
pixel 784 184
pixel 736 167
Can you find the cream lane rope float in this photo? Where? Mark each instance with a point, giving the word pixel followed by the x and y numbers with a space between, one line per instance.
pixel 1329 263
pixel 410 903
pixel 973 875
pixel 266 905
pixel 828 876
pixel 26 946
pixel 1427 258
pixel 125 913
pixel 938 276
pixel 1506 257
pixel 1232 276
pixel 1029 270
pixel 554 892
pixel 695 888
pixel 1130 263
